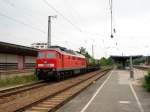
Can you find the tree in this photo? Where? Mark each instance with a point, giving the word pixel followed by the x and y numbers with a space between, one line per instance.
pixel 104 62
pixel 82 50
pixel 89 58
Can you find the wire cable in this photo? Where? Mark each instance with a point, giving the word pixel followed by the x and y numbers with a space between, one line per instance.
pixel 65 18
pixel 14 6
pixel 21 22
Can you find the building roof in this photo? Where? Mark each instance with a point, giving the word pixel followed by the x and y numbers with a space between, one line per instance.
pixel 17 49
pixel 124 58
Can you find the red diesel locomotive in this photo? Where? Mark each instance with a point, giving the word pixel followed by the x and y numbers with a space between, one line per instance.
pixel 58 62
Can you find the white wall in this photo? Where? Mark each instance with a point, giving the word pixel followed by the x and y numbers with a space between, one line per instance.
pixel 2 58
pixel 8 58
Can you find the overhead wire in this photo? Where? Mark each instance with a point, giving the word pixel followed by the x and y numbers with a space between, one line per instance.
pixel 73 11
pixel 14 6
pixel 35 28
pixel 79 18
pixel 64 17
pixel 21 22
pixel 69 10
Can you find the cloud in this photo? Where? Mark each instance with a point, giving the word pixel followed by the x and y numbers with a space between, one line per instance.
pixel 131 21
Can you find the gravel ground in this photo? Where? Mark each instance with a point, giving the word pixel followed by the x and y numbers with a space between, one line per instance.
pixel 20 100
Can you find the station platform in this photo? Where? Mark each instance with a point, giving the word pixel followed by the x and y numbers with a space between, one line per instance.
pixel 115 92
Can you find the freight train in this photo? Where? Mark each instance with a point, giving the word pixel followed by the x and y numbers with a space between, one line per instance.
pixel 58 62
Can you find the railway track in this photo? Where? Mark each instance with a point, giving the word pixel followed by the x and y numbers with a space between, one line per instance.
pixel 5 94
pixel 14 90
pixel 28 97
pixel 141 68
pixel 54 101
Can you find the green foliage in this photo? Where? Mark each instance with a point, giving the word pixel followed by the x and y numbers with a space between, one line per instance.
pixel 104 62
pixel 17 80
pixel 83 51
pixel 147 81
pixel 89 58
pixel 139 61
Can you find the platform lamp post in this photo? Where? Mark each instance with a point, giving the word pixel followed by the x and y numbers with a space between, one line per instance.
pixel 131 68
pixel 49 30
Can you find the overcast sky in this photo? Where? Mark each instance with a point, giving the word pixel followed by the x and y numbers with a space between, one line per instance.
pixel 25 22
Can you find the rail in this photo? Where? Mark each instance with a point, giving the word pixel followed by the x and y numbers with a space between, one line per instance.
pixel 54 101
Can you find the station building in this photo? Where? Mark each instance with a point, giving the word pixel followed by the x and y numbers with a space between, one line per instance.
pixel 124 61
pixel 16 57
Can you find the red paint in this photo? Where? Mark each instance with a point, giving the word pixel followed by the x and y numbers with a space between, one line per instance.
pixel 62 60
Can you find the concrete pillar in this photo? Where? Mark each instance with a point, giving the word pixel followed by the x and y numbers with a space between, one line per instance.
pixel 131 69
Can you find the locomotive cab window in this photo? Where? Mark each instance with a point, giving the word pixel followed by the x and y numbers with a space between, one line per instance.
pixel 41 55
pixel 51 55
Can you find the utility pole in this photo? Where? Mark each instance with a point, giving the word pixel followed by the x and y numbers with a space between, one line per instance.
pixel 92 51
pixel 49 31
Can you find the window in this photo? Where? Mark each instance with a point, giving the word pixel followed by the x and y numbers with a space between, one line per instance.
pixel 51 55
pixel 41 55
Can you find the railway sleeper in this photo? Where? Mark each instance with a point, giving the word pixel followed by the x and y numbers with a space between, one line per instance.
pixel 58 100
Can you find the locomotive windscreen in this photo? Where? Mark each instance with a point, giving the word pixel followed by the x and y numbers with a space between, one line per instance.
pixel 41 55
pixel 48 54
pixel 51 55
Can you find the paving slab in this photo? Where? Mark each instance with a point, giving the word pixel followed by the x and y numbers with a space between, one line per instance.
pixel 77 103
pixel 142 94
pixel 113 93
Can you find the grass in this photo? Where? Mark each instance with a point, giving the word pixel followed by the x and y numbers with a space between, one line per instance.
pixel 16 80
pixel 146 82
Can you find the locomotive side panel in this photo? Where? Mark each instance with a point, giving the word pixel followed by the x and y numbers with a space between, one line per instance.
pixel 59 60
pixel 56 63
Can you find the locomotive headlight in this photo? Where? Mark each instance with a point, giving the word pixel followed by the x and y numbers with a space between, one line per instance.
pixel 40 65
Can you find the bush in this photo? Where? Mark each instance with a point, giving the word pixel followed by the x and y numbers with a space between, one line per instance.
pixel 147 81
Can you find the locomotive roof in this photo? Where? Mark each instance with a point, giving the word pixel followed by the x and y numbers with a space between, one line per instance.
pixel 66 51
